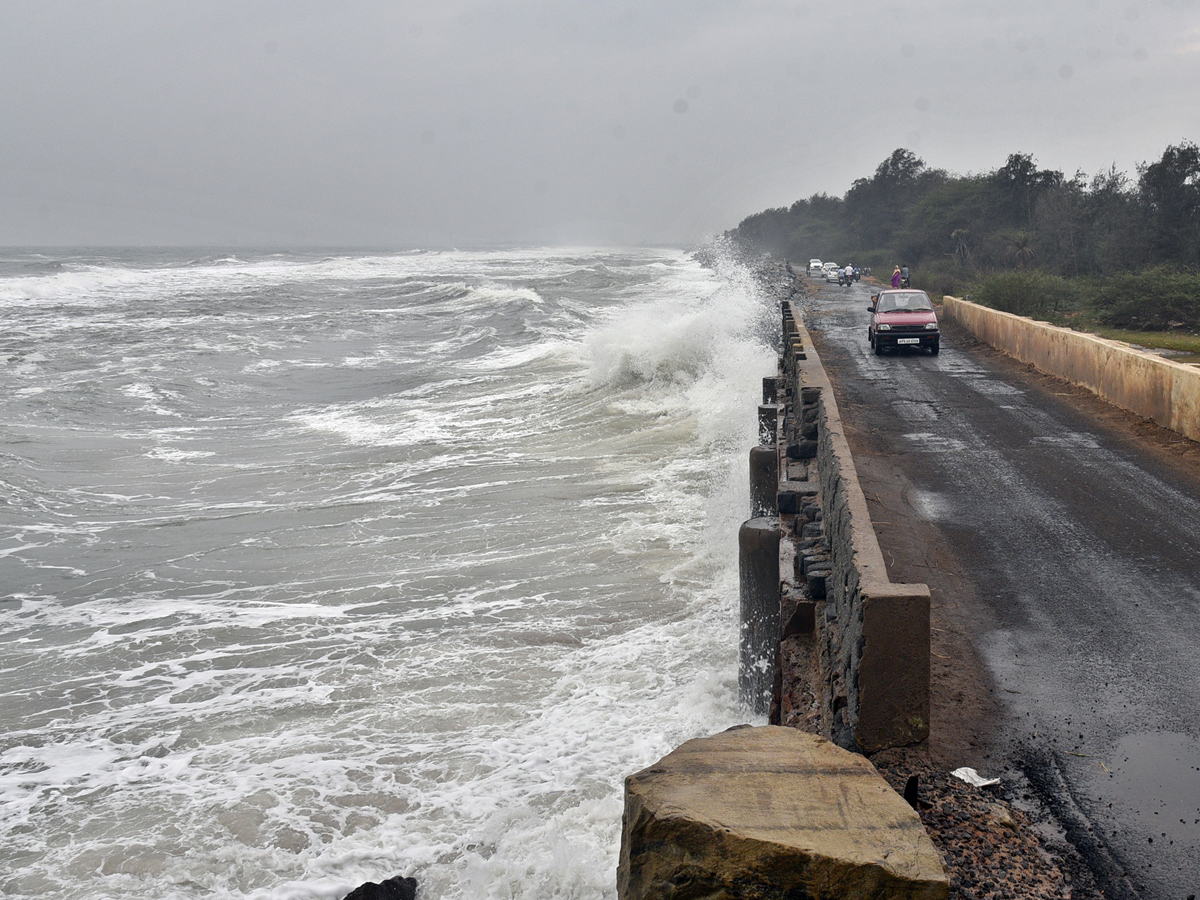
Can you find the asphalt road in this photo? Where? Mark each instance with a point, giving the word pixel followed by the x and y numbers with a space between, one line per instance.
pixel 1061 537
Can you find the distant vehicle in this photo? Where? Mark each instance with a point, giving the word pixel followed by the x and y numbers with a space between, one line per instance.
pixel 833 276
pixel 830 265
pixel 901 318
pixel 814 266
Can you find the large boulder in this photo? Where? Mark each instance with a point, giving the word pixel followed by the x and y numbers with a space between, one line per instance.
pixel 771 812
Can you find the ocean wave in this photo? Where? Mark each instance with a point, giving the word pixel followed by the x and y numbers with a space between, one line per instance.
pixel 646 345
pixel 442 549
pixel 708 324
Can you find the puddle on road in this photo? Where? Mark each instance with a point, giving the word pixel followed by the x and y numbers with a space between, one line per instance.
pixel 927 505
pixel 1155 777
pixel 1158 777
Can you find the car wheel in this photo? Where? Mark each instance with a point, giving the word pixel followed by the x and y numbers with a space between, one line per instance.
pixel 878 349
pixel 933 348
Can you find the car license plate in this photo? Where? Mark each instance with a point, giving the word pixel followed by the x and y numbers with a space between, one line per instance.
pixel 908 340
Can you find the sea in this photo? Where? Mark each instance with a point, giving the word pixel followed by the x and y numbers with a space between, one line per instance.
pixel 319 568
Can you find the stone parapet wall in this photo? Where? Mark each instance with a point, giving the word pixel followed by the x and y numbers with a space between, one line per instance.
pixel 872 636
pixel 1143 383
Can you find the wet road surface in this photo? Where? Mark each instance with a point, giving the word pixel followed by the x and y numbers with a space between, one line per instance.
pixel 1080 550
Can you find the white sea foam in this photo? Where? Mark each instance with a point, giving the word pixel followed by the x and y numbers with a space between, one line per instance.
pixel 175 454
pixel 419 426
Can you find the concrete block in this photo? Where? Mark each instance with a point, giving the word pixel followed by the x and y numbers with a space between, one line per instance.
pixel 764 481
pixel 771 389
pixel 792 494
pixel 802 450
pixel 771 812
pixel 893 671
pixel 760 628
pixel 768 424
pixel 815 560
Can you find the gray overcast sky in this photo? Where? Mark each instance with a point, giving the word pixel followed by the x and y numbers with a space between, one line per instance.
pixel 460 122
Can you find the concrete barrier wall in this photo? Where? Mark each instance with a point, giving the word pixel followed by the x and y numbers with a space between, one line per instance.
pixel 1143 383
pixel 876 633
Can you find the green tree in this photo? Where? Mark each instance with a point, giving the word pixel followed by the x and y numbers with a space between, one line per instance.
pixel 877 207
pixel 1018 185
pixel 1020 248
pixel 1170 190
pixel 1018 217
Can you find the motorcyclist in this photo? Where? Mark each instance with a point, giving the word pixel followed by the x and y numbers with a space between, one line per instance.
pixel 905 281
pixel 848 272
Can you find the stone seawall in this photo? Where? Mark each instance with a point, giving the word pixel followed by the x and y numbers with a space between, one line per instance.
pixel 828 643
pixel 869 676
pixel 1166 392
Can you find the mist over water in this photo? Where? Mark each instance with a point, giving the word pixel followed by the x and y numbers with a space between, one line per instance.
pixel 322 569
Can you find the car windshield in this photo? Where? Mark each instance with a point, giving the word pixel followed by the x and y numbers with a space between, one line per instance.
pixel 905 301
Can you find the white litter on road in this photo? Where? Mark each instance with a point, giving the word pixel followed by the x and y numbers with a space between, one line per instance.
pixel 970 776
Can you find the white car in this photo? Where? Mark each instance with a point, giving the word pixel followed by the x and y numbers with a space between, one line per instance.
pixel 814 266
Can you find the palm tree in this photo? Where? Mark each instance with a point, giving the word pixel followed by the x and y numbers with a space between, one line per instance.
pixel 1021 249
pixel 961 251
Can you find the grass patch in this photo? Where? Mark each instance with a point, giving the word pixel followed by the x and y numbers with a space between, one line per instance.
pixel 1156 340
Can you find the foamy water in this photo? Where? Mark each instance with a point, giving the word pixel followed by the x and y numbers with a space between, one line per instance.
pixel 322 569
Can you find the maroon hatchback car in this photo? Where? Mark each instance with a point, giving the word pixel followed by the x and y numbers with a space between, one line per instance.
pixel 903 318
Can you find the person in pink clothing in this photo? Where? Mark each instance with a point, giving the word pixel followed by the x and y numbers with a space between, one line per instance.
pixel 896 278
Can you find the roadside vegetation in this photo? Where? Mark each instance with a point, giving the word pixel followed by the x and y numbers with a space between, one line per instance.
pixel 1107 253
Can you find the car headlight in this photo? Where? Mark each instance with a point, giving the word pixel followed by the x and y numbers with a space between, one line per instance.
pixel 931 326
pixel 884 326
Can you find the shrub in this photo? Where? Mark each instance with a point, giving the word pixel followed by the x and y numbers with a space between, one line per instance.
pixel 1033 294
pixel 1153 300
pixel 939 280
